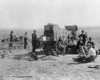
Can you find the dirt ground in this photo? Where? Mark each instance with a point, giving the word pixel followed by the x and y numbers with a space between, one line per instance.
pixel 18 66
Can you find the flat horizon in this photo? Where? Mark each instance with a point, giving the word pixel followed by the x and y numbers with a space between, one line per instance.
pixel 21 28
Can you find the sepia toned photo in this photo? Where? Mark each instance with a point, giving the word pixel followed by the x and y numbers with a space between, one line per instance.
pixel 49 39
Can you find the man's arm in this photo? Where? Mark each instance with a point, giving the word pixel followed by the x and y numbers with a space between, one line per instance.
pixel 32 37
pixel 89 54
pixel 79 35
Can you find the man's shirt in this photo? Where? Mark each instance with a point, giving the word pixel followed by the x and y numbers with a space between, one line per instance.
pixel 91 52
pixel 91 42
pixel 11 37
pixel 83 36
pixel 72 42
pixel 34 37
pixel 80 42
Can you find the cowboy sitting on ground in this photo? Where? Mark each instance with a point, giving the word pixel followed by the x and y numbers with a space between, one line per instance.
pixel 93 44
pixel 60 47
pixel 89 56
pixel 72 45
pixel 82 50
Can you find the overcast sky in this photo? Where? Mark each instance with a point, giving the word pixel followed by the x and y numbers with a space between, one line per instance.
pixel 37 13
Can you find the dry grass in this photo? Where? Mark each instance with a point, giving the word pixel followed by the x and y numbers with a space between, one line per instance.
pixel 46 68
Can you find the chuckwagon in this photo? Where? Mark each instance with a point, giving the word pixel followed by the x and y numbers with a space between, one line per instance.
pixel 50 37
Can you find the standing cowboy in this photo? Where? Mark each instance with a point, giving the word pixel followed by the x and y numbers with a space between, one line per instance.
pixel 34 40
pixel 84 36
pixel 25 40
pixel 11 39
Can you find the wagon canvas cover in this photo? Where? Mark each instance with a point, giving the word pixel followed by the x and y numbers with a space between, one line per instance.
pixel 72 28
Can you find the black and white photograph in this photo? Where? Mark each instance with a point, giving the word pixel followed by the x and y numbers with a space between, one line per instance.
pixel 49 39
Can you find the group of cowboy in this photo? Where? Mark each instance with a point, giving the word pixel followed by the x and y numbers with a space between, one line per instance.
pixel 84 46
pixel 25 40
